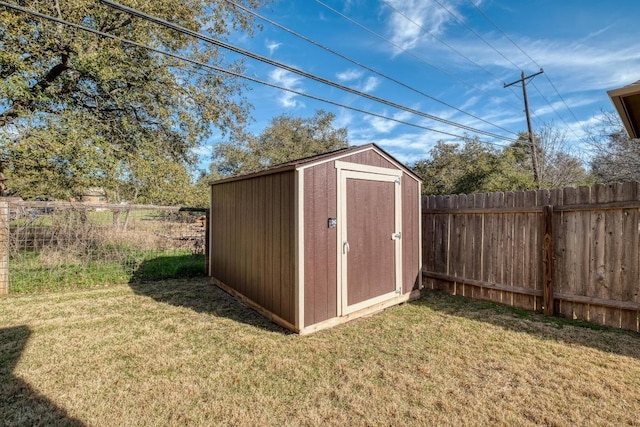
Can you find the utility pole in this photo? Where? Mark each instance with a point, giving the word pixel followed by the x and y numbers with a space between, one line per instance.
pixel 534 147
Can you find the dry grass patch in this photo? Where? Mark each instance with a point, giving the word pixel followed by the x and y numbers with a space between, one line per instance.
pixel 185 353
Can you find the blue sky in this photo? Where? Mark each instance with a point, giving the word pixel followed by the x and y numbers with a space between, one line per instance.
pixel 459 53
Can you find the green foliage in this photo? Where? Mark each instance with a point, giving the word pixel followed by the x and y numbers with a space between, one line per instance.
pixel 79 111
pixel 287 138
pixel 472 168
pixel 475 167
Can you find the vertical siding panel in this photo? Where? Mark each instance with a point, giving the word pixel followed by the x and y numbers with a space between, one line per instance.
pixel 253 204
pixel 322 254
pixel 331 186
pixel 288 281
pixel 277 241
pixel 310 223
pixel 267 273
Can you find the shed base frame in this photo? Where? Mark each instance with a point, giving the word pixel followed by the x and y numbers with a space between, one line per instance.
pixel 329 323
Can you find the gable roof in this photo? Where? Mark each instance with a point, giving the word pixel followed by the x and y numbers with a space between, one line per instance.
pixel 317 159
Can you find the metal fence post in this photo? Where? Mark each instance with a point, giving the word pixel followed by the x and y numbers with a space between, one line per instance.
pixel 4 247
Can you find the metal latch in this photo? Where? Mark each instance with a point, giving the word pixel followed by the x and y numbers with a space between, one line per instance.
pixel 345 247
pixel 396 236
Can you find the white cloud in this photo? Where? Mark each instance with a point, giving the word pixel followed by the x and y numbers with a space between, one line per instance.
pixel 288 80
pixel 349 75
pixel 370 84
pixel 411 20
pixel 380 125
pixel 272 46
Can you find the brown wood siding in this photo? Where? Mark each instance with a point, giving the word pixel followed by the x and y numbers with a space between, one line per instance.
pixel 370 158
pixel 371 261
pixel 411 272
pixel 320 250
pixel 252 240
pixel 320 258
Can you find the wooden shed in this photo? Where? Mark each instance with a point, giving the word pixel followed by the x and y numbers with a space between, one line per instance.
pixel 319 241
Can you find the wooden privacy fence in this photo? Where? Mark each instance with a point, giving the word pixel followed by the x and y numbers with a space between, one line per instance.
pixel 572 252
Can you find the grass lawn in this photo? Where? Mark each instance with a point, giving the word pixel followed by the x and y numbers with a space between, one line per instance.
pixel 183 352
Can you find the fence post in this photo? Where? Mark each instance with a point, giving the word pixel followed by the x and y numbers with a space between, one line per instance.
pixel 547 260
pixel 207 227
pixel 4 248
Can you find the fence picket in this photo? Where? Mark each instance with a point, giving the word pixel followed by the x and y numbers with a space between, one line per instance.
pixel 492 242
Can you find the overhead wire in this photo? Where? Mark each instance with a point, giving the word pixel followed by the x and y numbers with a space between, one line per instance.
pixel 222 70
pixel 430 34
pixel 400 48
pixel 360 64
pixel 550 104
pixel 447 45
pixel 476 34
pixel 532 60
pixel 252 55
pixel 407 52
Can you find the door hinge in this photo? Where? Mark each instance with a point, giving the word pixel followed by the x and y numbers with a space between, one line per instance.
pixel 397 181
pixel 396 236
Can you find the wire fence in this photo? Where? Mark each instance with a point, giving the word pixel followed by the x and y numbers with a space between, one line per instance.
pixel 56 245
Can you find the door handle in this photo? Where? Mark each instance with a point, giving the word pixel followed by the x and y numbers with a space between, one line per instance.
pixel 345 247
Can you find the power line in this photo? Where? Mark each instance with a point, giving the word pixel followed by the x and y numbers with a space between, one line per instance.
pixel 186 31
pixel 554 110
pixel 221 70
pixel 429 33
pixel 405 51
pixel 355 62
pixel 530 58
pixel 475 33
pixel 381 37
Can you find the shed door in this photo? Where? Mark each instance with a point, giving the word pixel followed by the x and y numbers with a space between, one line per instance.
pixel 370 253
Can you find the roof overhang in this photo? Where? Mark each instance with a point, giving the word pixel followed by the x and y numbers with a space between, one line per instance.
pixel 627 103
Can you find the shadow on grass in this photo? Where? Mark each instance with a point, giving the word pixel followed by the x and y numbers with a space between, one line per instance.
pixel 169 267
pixel 189 288
pixel 611 340
pixel 21 405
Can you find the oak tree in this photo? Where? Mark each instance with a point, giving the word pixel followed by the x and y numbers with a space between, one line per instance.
pixel 78 110
pixel 286 138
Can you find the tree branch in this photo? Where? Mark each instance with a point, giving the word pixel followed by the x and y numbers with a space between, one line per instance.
pixel 20 105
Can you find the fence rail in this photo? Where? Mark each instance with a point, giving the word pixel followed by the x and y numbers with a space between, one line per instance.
pixel 573 252
pixel 51 245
